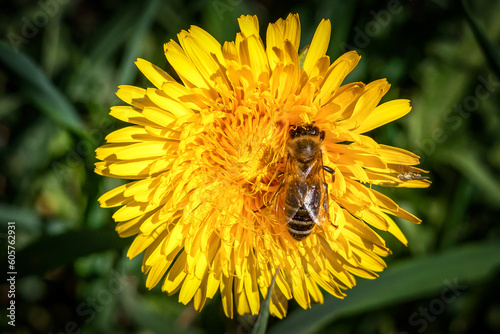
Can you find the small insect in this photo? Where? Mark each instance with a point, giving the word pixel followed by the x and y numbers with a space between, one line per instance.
pixel 303 193
pixel 407 176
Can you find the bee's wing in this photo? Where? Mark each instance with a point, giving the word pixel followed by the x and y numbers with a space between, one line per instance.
pixel 280 204
pixel 317 193
pixel 295 191
pixel 291 184
pixel 315 199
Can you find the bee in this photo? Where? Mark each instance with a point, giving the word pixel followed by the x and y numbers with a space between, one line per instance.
pixel 303 193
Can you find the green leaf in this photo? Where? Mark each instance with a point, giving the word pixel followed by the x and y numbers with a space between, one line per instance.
pixel 261 324
pixel 302 56
pixel 490 50
pixel 408 280
pixel 40 89
pixel 50 252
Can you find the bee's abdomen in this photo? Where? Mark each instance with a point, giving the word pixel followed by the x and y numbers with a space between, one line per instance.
pixel 301 224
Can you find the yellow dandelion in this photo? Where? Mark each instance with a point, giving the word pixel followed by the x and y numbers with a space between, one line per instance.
pixel 210 156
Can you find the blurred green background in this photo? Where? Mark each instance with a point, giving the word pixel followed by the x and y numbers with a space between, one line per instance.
pixel 60 64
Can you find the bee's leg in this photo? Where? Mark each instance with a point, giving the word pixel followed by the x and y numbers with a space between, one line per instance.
pixel 331 171
pixel 325 205
pixel 275 193
pixel 325 201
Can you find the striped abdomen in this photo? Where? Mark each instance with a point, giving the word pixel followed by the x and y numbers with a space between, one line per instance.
pixel 302 205
pixel 301 224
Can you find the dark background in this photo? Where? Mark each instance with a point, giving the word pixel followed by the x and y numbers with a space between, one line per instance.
pixel 61 62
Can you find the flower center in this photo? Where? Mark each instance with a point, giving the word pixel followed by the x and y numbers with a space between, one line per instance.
pixel 246 149
pixel 253 156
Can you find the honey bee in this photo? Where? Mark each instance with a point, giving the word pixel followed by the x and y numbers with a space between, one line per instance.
pixel 303 193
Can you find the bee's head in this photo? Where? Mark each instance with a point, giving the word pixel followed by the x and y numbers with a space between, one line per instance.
pixel 305 142
pixel 305 130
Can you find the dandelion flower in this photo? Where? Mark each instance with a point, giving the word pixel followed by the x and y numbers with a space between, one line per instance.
pixel 206 155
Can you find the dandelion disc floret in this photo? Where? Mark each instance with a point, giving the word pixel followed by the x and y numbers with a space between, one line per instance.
pixel 207 155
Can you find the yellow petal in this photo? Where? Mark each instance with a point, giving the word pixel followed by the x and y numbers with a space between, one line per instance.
pixel 186 96
pixel 114 197
pixel 336 75
pixel 209 43
pixel 189 287
pixel 173 107
pixel 279 304
pixel 249 25
pixel 133 209
pixel 156 75
pixel 291 56
pixel 132 170
pixel 226 289
pixel 251 288
pixel 397 155
pixel 175 276
pixel 251 53
pixel 140 243
pixel 204 61
pixel 184 67
pixel 292 30
pixel 274 45
pixel 132 151
pixel 128 135
pixel 258 58
pixel 160 117
pixel 241 301
pixel 229 51
pixel 130 115
pixel 200 297
pixel 129 228
pixel 156 273
pixel 374 92
pixel 313 290
pixel 318 47
pixel 383 114
pixel 133 95
pixel 346 97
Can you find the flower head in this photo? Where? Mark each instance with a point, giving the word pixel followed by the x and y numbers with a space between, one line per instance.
pixel 208 154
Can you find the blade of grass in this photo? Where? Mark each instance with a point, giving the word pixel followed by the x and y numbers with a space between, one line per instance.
pixel 261 324
pixel 41 90
pixel 490 50
pixel 401 282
